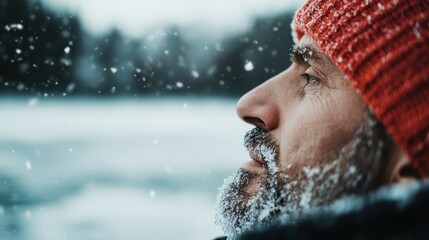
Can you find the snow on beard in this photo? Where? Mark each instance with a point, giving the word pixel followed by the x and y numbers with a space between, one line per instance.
pixel 287 194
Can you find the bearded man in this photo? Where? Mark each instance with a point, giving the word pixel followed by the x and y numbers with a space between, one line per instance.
pixel 349 117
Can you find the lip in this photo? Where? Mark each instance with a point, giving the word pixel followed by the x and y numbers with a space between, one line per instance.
pixel 255 157
pixel 256 163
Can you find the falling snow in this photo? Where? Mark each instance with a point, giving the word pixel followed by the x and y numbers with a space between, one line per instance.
pixel 113 70
pixel 17 26
pixel 195 74
pixel 28 165
pixel 179 85
pixel 71 87
pixel 248 66
pixel 33 102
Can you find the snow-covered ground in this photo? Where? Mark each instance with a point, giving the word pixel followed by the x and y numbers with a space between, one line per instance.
pixel 115 169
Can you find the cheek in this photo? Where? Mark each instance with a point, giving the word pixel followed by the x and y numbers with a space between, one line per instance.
pixel 319 127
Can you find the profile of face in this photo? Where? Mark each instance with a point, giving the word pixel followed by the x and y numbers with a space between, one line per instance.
pixel 315 140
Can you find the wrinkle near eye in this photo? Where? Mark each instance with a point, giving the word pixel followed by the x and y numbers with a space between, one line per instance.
pixel 320 100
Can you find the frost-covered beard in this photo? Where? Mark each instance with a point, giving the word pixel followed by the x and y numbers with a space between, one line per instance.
pixel 286 195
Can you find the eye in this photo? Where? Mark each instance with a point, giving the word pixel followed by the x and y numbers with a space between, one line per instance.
pixel 310 79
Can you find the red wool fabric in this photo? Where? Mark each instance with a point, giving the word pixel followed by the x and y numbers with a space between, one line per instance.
pixel 382 47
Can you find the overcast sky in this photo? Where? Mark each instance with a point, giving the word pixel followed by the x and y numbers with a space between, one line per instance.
pixel 138 17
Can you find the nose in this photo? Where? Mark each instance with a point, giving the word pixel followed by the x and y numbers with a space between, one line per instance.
pixel 258 107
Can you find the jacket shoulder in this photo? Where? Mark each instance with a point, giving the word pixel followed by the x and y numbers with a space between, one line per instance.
pixel 399 217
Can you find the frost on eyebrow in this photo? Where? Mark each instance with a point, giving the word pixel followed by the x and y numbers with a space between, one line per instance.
pixel 302 55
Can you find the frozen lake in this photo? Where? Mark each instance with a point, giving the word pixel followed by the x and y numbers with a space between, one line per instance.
pixel 115 169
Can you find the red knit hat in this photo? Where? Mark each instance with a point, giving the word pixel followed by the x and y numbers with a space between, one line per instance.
pixel 382 47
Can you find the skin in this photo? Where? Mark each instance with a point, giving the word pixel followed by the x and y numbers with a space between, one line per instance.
pixel 311 118
pixel 316 140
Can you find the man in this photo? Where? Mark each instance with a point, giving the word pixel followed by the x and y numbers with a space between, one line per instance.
pixel 349 117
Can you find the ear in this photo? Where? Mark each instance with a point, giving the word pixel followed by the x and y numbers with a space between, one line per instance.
pixel 402 171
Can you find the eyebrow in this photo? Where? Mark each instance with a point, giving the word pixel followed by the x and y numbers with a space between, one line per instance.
pixel 302 55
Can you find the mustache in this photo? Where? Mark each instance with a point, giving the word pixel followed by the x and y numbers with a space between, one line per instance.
pixel 258 136
pixel 260 142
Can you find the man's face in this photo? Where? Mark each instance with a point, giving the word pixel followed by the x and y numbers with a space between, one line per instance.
pixel 315 141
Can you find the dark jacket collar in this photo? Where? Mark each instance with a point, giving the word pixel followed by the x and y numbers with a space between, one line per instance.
pixel 395 212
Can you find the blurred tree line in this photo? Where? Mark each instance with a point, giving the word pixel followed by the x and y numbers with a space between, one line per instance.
pixel 44 53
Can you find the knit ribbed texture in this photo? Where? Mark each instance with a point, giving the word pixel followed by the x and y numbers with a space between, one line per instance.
pixel 382 47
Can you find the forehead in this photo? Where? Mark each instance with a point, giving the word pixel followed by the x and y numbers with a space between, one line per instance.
pixel 307 42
